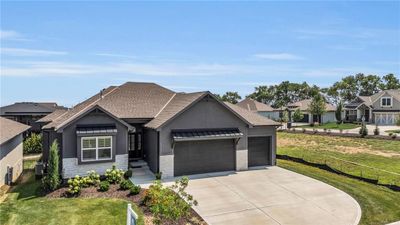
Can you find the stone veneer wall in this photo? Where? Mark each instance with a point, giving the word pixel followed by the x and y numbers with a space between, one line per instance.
pixel 72 168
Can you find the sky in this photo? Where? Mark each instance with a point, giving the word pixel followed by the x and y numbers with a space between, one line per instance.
pixel 68 51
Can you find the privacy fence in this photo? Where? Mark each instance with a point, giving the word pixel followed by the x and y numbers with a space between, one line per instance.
pixel 349 169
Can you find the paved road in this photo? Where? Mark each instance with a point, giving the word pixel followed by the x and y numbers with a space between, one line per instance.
pixel 272 196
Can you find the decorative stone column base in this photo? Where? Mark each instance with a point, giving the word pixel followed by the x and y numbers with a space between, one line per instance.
pixel 242 160
pixel 167 165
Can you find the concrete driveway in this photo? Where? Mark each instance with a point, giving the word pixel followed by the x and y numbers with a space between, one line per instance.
pixel 272 196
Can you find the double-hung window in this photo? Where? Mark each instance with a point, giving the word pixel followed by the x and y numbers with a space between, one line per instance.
pixel 386 102
pixel 96 148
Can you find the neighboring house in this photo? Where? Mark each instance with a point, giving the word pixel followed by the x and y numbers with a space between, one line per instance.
pixel 29 112
pixel 11 152
pixel 175 133
pixel 260 108
pixel 303 105
pixel 381 108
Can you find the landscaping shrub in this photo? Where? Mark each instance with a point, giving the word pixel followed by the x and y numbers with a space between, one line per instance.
pixel 75 185
pixel 125 184
pixel 134 189
pixel 93 178
pixel 297 115
pixel 390 134
pixel 394 136
pixel 158 175
pixel 52 179
pixel 104 186
pixel 376 130
pixel 363 130
pixel 114 175
pixel 341 130
pixel 304 130
pixel 33 144
pixel 169 203
pixel 128 173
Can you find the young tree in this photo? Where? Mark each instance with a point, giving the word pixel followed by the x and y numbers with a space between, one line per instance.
pixel 52 180
pixel 317 106
pixel 338 113
pixel 297 115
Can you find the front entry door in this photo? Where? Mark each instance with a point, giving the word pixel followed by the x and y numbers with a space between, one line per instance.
pixel 135 146
pixel 366 115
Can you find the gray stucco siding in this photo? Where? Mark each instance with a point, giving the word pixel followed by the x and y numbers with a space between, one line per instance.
pixel 11 156
pixel 207 113
pixel 70 140
pixel 10 145
pixel 150 145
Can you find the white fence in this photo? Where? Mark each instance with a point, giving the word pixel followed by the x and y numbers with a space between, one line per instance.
pixel 131 216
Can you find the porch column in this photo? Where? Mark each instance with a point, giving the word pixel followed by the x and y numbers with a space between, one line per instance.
pixel 358 114
pixel 370 115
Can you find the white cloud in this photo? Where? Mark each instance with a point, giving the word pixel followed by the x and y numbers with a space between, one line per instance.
pixel 12 35
pixel 29 52
pixel 116 55
pixel 278 56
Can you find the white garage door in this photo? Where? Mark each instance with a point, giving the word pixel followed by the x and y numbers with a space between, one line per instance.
pixel 385 118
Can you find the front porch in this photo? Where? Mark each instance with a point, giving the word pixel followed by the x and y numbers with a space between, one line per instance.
pixel 361 113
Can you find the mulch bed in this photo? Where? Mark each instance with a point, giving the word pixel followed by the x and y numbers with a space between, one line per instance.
pixel 115 192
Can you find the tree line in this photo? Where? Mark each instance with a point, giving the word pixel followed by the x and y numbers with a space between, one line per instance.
pixel 343 91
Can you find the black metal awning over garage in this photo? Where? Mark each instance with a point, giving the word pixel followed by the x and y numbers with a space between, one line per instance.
pixel 206 134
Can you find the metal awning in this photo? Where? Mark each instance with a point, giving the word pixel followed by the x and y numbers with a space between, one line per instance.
pixel 206 134
pixel 96 130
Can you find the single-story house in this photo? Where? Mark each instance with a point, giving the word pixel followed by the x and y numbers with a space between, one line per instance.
pixel 260 108
pixel 382 108
pixel 11 152
pixel 174 133
pixel 303 105
pixel 29 112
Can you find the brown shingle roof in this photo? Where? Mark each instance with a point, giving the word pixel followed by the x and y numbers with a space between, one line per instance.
pixel 303 105
pixel 52 116
pixel 255 106
pixel 251 117
pixel 178 103
pixel 10 129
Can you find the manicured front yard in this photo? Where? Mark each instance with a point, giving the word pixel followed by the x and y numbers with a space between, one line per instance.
pixel 379 155
pixel 379 205
pixel 333 126
pixel 25 205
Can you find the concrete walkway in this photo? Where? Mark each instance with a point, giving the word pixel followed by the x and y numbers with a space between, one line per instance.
pixel 271 196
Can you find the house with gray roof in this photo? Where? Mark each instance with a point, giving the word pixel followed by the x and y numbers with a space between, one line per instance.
pixel 382 108
pixel 171 132
pixel 29 112
pixel 11 151
pixel 308 117
pixel 260 108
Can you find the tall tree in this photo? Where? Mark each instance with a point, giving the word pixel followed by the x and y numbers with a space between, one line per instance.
pixel 52 180
pixel 390 81
pixel 230 96
pixel 317 106
pixel 338 112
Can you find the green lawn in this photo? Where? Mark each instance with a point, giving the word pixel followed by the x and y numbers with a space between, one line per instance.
pixel 393 131
pixel 379 154
pixel 333 126
pixel 379 205
pixel 24 206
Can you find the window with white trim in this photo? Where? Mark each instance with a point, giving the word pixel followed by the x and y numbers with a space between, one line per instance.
pixel 96 148
pixel 386 101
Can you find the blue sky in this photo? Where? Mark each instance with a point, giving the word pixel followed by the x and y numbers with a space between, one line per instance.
pixel 67 51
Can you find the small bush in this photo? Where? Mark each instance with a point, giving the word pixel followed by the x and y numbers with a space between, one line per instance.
pixel 325 130
pixel 158 175
pixel 75 185
pixel 125 184
pixel 134 189
pixel 390 134
pixel 328 131
pixel 104 186
pixel 128 174
pixel 376 130
pixel 114 175
pixel 363 130
pixel 33 144
pixel 341 130
pixel 169 203
pixel 394 136
pixel 93 178
pixel 304 130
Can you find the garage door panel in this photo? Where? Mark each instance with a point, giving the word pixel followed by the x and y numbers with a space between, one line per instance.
pixel 193 157
pixel 259 151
